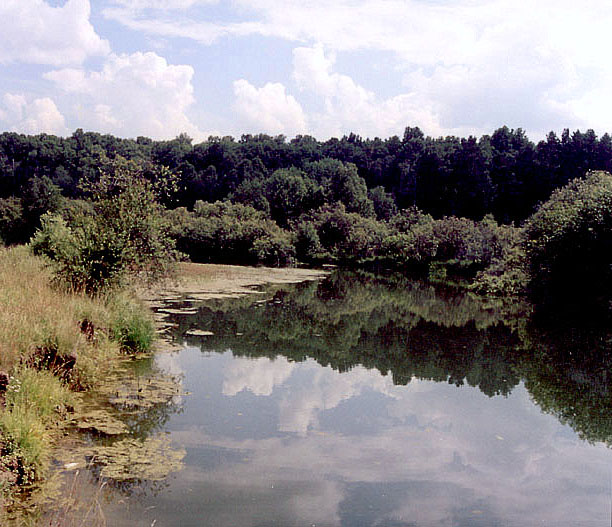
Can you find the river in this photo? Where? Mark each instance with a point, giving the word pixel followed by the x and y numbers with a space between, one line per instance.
pixel 367 401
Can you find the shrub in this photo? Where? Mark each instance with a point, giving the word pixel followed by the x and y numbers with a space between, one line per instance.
pixel 411 241
pixel 308 246
pixel 125 235
pixel 568 240
pixel 346 236
pixel 507 275
pixel 471 243
pixel 230 233
pixel 275 249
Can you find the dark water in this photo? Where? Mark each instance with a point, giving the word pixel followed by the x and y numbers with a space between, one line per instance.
pixel 363 401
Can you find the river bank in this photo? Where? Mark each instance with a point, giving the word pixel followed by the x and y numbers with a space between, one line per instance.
pixel 55 345
pixel 63 359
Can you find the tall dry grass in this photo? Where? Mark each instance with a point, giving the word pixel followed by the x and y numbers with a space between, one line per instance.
pixel 37 317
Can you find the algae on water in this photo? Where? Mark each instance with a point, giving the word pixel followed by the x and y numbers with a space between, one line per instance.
pixel 100 421
pixel 152 459
pixel 138 394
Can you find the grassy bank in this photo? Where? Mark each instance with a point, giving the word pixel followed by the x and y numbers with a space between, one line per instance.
pixel 52 343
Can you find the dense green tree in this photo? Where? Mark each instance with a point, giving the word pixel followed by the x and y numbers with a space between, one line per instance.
pixel 291 193
pixel 12 221
pixel 341 183
pixel 568 240
pixel 383 203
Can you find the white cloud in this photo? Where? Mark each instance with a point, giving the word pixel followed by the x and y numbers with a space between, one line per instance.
pixel 35 117
pixel 166 5
pixel 137 94
pixel 350 107
pixel 268 109
pixel 470 65
pixel 35 32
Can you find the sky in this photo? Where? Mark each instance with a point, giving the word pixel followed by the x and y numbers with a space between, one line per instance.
pixel 159 68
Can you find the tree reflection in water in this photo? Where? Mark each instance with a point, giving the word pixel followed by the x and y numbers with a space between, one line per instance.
pixel 411 329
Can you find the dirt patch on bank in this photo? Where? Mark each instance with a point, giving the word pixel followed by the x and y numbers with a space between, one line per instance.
pixel 208 281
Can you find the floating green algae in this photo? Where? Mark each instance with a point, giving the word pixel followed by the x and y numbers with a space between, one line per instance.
pixel 137 394
pixel 151 459
pixel 100 421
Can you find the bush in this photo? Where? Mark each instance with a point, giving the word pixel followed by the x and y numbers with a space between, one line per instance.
pixel 412 241
pixel 346 236
pixel 224 232
pixel 125 236
pixel 308 246
pixel 131 325
pixel 276 249
pixel 568 240
pixel 470 243
pixel 507 275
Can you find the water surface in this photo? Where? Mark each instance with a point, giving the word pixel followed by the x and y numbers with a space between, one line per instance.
pixel 362 401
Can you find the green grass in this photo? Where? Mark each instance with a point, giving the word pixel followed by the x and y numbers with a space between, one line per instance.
pixel 131 324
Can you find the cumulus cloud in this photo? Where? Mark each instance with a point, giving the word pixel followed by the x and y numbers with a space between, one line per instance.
pixel 136 94
pixel 38 116
pixel 350 107
pixel 268 109
pixel 470 65
pixel 35 32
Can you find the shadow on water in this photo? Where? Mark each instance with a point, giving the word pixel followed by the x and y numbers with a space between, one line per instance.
pixel 415 330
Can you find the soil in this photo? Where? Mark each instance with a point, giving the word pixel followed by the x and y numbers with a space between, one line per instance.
pixel 207 281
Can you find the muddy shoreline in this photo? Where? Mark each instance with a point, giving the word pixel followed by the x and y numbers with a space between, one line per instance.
pixel 208 281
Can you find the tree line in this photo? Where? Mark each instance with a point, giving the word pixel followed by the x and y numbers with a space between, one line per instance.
pixel 504 174
pixel 501 211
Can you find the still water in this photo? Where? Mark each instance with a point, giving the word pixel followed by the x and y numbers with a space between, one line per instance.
pixel 362 401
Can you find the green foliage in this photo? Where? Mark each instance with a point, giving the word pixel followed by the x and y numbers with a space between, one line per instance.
pixel 251 192
pixel 411 241
pixel 308 246
pixel 131 324
pixel 568 240
pixel 342 183
pixel 345 236
pixel 125 236
pixel 383 203
pixel 230 233
pixel 507 275
pixel 290 193
pixel 275 248
pixel 503 173
pixel 12 222
pixel 469 242
pixel 33 400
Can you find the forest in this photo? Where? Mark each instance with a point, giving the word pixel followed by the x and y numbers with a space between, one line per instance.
pixel 499 210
